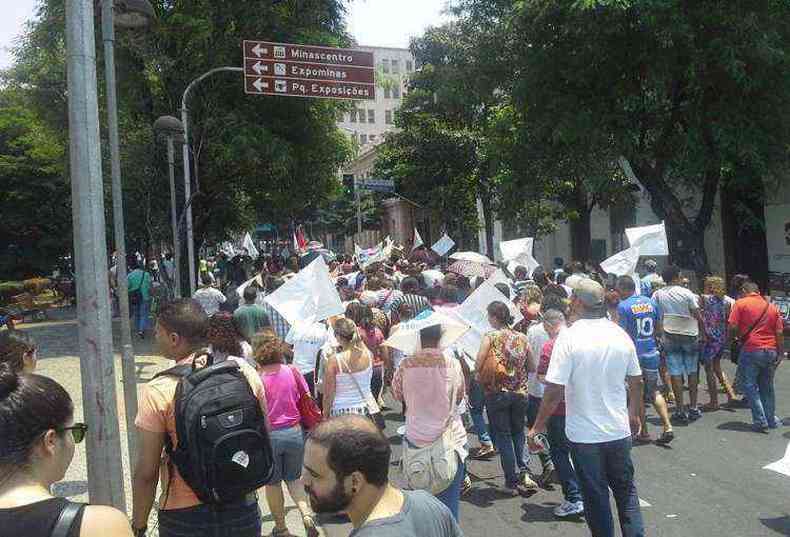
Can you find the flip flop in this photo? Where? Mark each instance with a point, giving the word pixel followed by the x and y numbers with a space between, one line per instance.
pixel 666 438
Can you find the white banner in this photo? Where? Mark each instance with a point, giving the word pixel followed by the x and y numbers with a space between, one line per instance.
pixel 651 240
pixel 417 240
pixel 443 245
pixel 624 264
pixel 309 296
pixel 516 248
pixel 250 246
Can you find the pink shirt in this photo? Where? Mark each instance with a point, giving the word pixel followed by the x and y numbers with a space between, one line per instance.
pixel 282 396
pixel 424 381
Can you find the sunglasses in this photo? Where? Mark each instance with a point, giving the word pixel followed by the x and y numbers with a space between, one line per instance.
pixel 78 431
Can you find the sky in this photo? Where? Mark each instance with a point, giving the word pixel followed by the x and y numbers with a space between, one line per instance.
pixel 375 23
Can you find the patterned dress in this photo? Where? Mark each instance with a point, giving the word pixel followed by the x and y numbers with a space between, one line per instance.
pixel 714 316
pixel 511 349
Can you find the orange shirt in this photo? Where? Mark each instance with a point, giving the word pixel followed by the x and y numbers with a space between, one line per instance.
pixel 745 313
pixel 156 414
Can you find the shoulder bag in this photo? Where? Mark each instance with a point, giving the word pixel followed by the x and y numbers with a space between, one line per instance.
pixel 66 519
pixel 493 370
pixel 432 468
pixel 737 343
pixel 308 409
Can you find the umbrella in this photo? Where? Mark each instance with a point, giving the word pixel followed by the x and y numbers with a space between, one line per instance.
pixel 407 337
pixel 471 269
pixel 471 256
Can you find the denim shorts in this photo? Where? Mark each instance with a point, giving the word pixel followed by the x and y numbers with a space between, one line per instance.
pixel 288 450
pixel 682 354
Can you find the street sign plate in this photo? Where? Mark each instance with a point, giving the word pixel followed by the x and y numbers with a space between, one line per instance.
pixel 376 185
pixel 308 71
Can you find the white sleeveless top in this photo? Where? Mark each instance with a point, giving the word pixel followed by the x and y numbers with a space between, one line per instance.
pixel 353 397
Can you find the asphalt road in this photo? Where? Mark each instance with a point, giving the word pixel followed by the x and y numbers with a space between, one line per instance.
pixel 709 482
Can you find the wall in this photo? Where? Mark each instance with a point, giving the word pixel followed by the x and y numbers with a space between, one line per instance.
pixel 777 227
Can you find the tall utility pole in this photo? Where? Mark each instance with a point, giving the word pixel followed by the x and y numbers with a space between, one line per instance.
pixel 171 164
pixel 97 368
pixel 127 352
pixel 358 199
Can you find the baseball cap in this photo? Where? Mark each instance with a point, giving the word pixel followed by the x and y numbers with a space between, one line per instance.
pixel 590 292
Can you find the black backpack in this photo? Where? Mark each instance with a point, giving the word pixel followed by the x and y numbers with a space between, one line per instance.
pixel 223 449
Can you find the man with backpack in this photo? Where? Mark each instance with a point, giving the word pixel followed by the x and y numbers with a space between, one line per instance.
pixel 203 434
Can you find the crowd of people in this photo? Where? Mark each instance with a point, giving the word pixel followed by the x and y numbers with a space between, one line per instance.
pixel 565 389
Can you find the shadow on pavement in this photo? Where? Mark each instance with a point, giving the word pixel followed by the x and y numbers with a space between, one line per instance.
pixel 780 525
pixel 735 426
pixel 534 512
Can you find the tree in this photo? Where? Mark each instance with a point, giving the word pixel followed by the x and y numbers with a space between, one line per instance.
pixel 693 94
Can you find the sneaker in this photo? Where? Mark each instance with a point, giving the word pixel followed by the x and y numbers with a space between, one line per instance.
pixel 680 417
pixel 548 477
pixel 567 509
pixel 694 414
pixel 526 481
pixel 466 486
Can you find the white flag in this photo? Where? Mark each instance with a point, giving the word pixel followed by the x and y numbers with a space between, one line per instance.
pixel 443 245
pixel 624 264
pixel 310 296
pixel 651 240
pixel 516 248
pixel 524 260
pixel 250 246
pixel 417 240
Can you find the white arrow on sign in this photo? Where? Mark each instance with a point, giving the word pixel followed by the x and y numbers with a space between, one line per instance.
pixel 260 85
pixel 258 50
pixel 260 68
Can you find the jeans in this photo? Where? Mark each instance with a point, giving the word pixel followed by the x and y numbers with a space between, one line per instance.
pixel 758 385
pixel 599 467
pixel 140 313
pixel 561 456
pixel 507 414
pixel 242 519
pixel 377 382
pixel 477 405
pixel 533 406
pixel 288 451
pixel 451 496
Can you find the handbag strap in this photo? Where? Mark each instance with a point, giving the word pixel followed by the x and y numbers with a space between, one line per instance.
pixel 296 374
pixel 748 333
pixel 341 362
pixel 66 519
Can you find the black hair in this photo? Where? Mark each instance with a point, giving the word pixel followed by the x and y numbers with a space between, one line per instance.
pixel 522 271
pixel 14 344
pixel 250 293
pixel 449 293
pixel 186 318
pixel 430 336
pixel 499 311
pixel 30 405
pixel 556 290
pixel 410 285
pixel 205 279
pixel 503 288
pixel 736 284
pixel 670 274
pixel 561 277
pixel 577 267
pixel 552 301
pixel 540 277
pixel 354 444
pixel 626 283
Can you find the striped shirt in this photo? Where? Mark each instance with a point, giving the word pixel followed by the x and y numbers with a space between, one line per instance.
pixel 279 324
pixel 417 302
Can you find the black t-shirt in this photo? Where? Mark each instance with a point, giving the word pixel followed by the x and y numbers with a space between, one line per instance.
pixel 37 519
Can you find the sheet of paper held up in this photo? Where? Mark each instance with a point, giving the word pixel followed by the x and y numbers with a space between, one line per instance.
pixel 781 466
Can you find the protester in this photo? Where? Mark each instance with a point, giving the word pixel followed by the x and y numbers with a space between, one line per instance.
pixel 209 297
pixel 348 374
pixel 346 467
pixel 280 325
pixel 306 339
pixel 592 362
pixel 759 327
pixel 640 317
pixel 225 338
pixel 410 289
pixel 715 312
pixel 139 288
pixel 37 446
pixel 250 317
pixel 651 278
pixel 683 325
pixel 18 350
pixel 554 323
pixel 432 388
pixel 372 336
pixel 506 395
pixel 180 335
pixel 284 386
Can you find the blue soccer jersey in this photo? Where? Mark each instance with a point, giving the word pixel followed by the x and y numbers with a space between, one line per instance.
pixel 638 316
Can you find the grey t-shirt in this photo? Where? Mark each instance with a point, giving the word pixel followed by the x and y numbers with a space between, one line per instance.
pixel 422 515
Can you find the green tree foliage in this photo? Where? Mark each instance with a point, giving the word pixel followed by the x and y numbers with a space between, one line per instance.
pixel 695 95
pixel 253 158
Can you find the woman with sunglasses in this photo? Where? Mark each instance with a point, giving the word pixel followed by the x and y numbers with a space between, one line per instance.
pixel 37 441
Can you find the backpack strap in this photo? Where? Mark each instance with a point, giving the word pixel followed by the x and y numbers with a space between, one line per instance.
pixel 66 519
pixel 179 371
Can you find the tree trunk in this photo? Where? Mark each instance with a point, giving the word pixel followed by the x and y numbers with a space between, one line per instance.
pixel 581 229
pixel 488 222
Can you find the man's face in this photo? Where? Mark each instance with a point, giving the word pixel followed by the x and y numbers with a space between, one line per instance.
pixel 164 341
pixel 327 494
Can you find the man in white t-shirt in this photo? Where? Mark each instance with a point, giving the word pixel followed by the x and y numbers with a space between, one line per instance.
pixel 208 296
pixel 590 365
pixel 307 338
pixel 683 325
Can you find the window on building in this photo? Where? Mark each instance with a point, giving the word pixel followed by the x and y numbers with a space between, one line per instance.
pixel 388 117
pixel 395 113
pixel 352 116
pixel 409 66
pixel 396 92
pixel 371 116
pixel 385 66
pixel 363 139
pixel 396 67
pixel 387 92
pixel 361 114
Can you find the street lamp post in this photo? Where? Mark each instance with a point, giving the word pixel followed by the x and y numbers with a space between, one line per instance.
pixel 187 185
pixel 130 14
pixel 105 474
pixel 171 127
